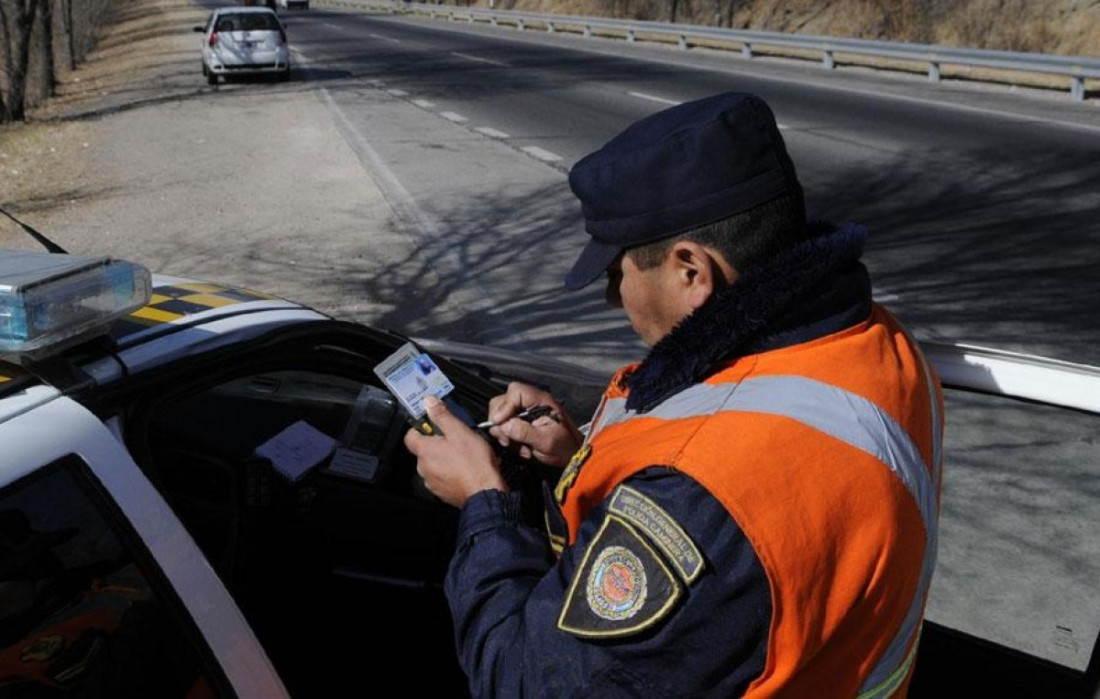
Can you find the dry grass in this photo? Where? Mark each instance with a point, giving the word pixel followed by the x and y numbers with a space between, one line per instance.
pixel 38 162
pixel 43 160
pixel 1069 27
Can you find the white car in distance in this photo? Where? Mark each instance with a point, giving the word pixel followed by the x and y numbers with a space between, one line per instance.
pixel 244 41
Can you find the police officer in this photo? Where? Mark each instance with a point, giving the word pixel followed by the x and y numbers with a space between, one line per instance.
pixel 753 508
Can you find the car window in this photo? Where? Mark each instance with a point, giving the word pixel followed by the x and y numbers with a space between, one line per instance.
pixel 355 541
pixel 1019 555
pixel 79 611
pixel 248 22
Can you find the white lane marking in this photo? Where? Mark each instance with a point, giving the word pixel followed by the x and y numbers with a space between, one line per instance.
pixel 782 127
pixel 543 155
pixel 385 38
pixel 479 59
pixel 398 93
pixel 883 296
pixel 419 222
pixel 423 104
pixel 491 133
pixel 653 98
pixel 457 118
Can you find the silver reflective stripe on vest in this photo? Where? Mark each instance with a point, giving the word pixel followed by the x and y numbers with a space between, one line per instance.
pixel 848 417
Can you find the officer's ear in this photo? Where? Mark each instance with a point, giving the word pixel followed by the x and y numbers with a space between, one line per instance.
pixel 699 271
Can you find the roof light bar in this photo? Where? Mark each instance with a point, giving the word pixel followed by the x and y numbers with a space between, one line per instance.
pixel 49 302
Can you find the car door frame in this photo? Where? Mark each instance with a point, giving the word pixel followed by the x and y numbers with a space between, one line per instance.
pixel 1028 378
pixel 59 428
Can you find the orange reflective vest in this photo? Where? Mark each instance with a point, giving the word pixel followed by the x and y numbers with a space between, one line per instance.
pixel 827 455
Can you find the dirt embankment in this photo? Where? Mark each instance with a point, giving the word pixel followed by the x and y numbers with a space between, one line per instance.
pixel 43 162
pixel 1043 26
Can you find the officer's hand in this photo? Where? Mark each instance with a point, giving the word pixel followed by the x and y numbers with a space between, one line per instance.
pixel 552 439
pixel 457 463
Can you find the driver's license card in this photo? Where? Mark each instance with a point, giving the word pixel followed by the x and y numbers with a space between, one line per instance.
pixel 412 376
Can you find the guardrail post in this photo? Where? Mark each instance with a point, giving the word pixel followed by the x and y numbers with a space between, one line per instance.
pixel 549 27
pixel 933 71
pixel 519 25
pixel 588 31
pixel 746 50
pixel 1077 89
pixel 683 43
pixel 630 36
pixel 827 59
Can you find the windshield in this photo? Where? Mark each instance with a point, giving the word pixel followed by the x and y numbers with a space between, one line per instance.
pixel 247 22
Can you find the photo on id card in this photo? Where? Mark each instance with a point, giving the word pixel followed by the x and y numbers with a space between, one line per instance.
pixel 412 376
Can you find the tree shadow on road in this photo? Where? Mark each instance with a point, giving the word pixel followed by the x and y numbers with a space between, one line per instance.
pixel 1006 259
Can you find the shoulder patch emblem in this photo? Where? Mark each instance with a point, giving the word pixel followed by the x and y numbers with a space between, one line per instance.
pixel 616 584
pixel 622 586
pixel 661 529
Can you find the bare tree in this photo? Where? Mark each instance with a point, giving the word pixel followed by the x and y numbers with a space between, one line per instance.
pixel 67 23
pixel 31 43
pixel 19 24
pixel 5 47
pixel 46 50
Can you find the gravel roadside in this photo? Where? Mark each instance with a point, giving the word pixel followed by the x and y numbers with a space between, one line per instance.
pixel 249 184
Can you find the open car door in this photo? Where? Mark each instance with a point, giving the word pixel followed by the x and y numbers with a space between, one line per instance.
pixel 1015 605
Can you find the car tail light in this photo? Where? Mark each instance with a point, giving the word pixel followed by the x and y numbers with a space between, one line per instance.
pixel 213 40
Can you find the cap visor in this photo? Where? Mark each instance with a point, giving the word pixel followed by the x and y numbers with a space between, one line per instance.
pixel 593 262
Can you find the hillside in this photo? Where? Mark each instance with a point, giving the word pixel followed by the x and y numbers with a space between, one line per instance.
pixel 1044 26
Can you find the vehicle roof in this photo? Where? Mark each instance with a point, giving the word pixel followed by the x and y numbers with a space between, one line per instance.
pixel 175 303
pixel 244 9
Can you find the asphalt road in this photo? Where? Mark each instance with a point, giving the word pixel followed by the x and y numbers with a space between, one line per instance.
pixel 982 202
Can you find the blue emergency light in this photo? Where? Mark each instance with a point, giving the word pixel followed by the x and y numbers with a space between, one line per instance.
pixel 51 301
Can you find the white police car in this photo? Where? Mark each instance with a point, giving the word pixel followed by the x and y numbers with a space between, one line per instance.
pixel 203 492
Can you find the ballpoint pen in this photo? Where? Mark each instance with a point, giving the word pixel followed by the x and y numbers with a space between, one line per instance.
pixel 530 415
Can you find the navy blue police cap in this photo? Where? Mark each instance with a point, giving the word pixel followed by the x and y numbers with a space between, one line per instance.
pixel 676 170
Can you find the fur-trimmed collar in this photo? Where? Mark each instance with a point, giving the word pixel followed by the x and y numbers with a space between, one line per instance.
pixel 809 291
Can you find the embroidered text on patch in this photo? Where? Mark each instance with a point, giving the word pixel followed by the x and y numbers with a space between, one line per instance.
pixel 661 528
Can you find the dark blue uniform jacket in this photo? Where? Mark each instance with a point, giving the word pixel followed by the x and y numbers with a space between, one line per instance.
pixel 506 588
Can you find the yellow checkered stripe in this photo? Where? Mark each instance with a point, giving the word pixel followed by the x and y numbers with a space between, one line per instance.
pixel 9 371
pixel 177 301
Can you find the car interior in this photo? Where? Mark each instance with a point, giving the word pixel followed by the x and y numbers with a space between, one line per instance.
pixel 339 570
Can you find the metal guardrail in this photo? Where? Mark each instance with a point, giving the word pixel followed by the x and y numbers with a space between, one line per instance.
pixel 1076 68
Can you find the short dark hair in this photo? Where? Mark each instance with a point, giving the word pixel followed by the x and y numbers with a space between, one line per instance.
pixel 744 239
